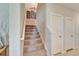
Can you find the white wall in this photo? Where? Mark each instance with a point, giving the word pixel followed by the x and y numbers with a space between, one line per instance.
pixel 41 24
pixel 4 20
pixel 77 30
pixel 62 10
pixel 57 8
pixel 14 29
pixel 43 16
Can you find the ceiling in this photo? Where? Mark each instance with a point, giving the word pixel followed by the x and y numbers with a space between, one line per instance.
pixel 31 5
pixel 74 6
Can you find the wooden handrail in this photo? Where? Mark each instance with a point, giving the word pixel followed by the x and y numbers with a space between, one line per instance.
pixel 2 49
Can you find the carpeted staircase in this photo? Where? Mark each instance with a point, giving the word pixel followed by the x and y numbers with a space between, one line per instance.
pixel 33 45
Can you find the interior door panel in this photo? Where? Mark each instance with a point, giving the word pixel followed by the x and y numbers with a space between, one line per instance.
pixel 57 37
pixel 69 34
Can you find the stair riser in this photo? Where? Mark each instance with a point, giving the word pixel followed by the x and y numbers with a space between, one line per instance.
pixel 30 37
pixel 27 38
pixel 39 41
pixel 30 26
pixel 27 33
pixel 28 30
pixel 37 47
pixel 37 36
pixel 36 53
pixel 27 42
pixel 33 48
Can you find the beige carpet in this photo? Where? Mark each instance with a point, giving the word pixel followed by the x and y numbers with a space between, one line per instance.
pixel 33 45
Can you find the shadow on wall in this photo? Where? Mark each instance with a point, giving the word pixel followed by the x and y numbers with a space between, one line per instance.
pixel 48 40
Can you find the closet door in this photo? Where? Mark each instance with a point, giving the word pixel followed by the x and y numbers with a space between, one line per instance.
pixel 69 33
pixel 57 33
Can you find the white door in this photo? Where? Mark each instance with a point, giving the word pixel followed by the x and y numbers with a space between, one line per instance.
pixel 69 33
pixel 56 23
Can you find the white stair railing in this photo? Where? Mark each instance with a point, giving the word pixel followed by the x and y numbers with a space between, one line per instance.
pixel 22 37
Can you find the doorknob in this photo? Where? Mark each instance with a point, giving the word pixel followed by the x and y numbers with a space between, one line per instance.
pixel 60 36
pixel 71 35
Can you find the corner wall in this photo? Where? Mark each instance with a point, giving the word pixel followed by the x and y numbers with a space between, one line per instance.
pixel 22 17
pixel 14 29
pixel 41 24
pixel 40 19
